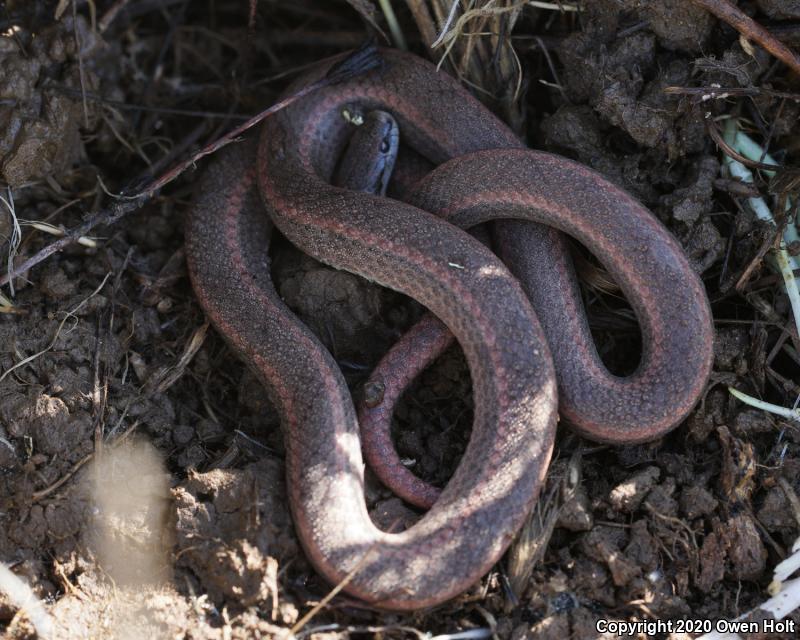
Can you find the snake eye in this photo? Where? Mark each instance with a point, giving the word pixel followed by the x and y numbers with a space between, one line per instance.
pixel 384 146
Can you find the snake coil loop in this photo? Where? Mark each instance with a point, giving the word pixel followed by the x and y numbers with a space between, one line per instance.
pixel 484 173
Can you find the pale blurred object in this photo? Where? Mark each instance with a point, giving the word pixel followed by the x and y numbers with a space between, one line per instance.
pixel 130 488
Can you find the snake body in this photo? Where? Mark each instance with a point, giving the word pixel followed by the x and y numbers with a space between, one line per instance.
pixel 419 250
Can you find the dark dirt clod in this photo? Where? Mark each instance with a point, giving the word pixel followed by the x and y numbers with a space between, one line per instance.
pixel 679 25
pixel 576 514
pixel 712 561
pixel 627 496
pixel 40 126
pixel 691 202
pixel 776 512
pixel 747 554
pixel 696 502
pixel 247 510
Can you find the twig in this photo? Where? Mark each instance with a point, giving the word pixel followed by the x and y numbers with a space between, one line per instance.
pixel 751 30
pixel 118 104
pixel 53 230
pixel 712 130
pixel 718 92
pixel 107 216
pixel 360 61
pixel 332 593
pixel 100 391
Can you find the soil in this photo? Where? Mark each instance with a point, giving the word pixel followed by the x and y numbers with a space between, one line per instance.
pixel 141 465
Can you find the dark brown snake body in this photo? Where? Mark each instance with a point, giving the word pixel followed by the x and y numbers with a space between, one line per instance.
pixel 484 174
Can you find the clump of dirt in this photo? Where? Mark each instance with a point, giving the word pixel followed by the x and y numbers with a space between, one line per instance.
pixel 41 126
pixel 247 509
pixel 105 339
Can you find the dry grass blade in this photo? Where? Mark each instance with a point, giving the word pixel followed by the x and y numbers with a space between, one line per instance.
pixel 46 227
pixel 394 25
pixel 530 545
pixel 61 8
pixel 423 19
pixel 366 10
pixel 14 241
pixel 477 48
pixel 163 379
pixel 107 216
pixel 331 594
pixel 751 30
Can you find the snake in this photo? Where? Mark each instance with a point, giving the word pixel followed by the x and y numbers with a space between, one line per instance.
pixel 419 247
